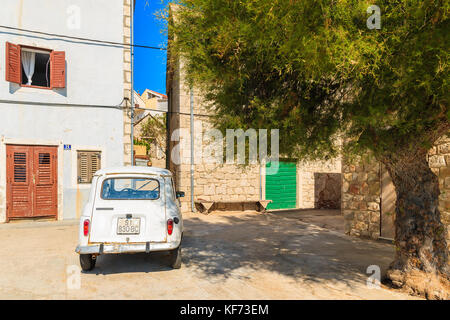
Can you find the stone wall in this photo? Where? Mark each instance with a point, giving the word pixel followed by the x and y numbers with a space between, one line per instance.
pixel 309 187
pixel 212 181
pixel 439 160
pixel 361 192
pixel 127 81
pixel 361 198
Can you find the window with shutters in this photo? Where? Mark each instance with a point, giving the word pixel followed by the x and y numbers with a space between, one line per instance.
pixel 88 164
pixel 35 67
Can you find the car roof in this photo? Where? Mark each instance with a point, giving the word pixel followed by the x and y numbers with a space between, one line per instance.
pixel 134 170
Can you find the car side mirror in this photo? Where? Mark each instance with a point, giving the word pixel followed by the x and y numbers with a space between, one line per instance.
pixel 180 194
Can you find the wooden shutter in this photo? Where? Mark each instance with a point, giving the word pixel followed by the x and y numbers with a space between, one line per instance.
pixel 58 69
pixel 13 69
pixel 45 195
pixel 95 163
pixel 88 164
pixel 19 184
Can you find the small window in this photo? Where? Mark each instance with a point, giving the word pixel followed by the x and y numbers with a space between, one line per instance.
pixel 35 68
pixel 88 164
pixel 130 189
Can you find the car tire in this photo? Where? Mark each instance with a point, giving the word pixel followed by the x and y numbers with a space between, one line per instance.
pixel 175 258
pixel 87 262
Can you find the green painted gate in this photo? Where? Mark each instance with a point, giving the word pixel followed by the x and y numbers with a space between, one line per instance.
pixel 281 187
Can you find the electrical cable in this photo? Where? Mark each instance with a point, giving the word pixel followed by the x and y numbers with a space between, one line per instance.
pixel 96 106
pixel 83 39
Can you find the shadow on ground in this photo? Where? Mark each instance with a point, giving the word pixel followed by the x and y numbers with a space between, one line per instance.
pixel 131 263
pixel 217 247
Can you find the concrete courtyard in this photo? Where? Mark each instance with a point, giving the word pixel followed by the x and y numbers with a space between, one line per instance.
pixel 228 255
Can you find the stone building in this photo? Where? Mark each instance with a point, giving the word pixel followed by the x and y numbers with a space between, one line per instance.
pixel 368 195
pixel 296 184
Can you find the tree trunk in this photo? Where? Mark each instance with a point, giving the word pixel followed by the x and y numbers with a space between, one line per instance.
pixel 421 258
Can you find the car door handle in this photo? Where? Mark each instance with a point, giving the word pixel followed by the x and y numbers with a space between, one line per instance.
pixel 104 208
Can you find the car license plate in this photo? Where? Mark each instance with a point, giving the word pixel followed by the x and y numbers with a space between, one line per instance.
pixel 128 225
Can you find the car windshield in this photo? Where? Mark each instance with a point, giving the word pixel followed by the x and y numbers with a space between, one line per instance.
pixel 130 189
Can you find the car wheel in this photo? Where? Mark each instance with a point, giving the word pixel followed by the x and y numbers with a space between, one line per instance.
pixel 87 262
pixel 175 258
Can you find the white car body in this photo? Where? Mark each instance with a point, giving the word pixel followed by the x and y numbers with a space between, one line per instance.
pixel 110 203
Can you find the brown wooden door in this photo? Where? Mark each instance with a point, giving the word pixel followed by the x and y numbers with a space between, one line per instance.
pixel 31 181
pixel 44 175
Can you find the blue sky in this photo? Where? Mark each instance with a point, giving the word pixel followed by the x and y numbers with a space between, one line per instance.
pixel 149 65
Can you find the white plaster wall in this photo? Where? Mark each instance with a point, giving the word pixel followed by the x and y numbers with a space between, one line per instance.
pixel 94 76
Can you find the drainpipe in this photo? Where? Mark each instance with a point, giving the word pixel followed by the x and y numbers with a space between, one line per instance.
pixel 132 81
pixel 192 150
pixel 168 113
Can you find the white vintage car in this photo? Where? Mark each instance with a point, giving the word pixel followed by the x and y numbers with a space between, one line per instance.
pixel 131 209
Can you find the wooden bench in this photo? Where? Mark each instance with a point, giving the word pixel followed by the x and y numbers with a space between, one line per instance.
pixel 206 206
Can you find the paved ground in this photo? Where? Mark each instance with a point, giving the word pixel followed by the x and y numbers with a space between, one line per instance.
pixel 242 255
pixel 328 219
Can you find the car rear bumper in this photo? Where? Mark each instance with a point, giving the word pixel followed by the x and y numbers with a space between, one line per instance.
pixel 101 248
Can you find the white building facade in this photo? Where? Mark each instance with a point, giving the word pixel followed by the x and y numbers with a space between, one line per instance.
pixel 61 102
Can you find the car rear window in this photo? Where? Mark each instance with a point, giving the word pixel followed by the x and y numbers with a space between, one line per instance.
pixel 130 189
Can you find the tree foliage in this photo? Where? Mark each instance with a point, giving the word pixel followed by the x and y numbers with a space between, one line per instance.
pixel 315 71
pixel 153 132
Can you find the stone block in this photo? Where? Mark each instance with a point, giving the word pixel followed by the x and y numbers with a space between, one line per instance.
pixel 354 188
pixel 362 217
pixel 365 189
pixel 362 205
pixel 432 151
pixel 373 206
pixel 348 226
pixel 447 182
pixel 347 197
pixel 209 190
pixel 444 148
pixel 349 215
pixel 345 186
pixel 362 176
pixel 348 177
pixel 436 161
pixel 375 235
pixel 375 218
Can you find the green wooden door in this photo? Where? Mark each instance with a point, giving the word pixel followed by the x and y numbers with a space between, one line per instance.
pixel 281 187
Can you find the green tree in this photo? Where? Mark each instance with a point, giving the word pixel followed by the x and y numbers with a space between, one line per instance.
pixel 153 132
pixel 313 69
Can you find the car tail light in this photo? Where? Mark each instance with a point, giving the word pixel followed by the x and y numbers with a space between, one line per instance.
pixel 169 226
pixel 86 227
